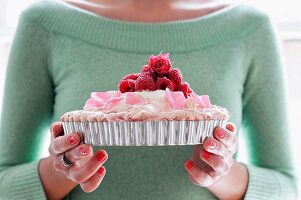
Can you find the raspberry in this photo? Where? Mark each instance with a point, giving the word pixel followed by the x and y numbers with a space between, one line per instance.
pixel 172 86
pixel 160 75
pixel 131 77
pixel 163 83
pixel 127 85
pixel 175 76
pixel 185 88
pixel 151 74
pixel 145 82
pixel 146 68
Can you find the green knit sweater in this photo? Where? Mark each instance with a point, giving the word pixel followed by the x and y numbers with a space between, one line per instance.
pixel 61 54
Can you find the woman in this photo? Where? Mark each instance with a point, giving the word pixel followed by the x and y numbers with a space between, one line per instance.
pixel 64 50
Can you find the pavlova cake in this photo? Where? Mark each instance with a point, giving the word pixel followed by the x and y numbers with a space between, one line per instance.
pixel 152 107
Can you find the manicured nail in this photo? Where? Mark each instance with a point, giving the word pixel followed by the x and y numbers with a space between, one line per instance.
pixel 100 171
pixel 71 140
pixel 220 133
pixel 100 156
pixel 230 127
pixel 212 145
pixel 56 128
pixel 188 165
pixel 82 151
pixel 206 155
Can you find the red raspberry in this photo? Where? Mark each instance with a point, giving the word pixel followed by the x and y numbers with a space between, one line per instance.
pixel 175 76
pixel 127 85
pixel 185 88
pixel 163 83
pixel 149 71
pixel 131 77
pixel 172 86
pixel 145 82
pixel 146 68
pixel 151 74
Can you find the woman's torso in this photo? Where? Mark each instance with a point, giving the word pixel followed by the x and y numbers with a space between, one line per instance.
pixel 92 61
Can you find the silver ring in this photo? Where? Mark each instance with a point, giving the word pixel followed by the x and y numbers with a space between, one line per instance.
pixel 65 161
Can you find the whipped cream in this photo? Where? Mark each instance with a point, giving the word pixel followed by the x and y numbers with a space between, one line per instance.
pixel 146 106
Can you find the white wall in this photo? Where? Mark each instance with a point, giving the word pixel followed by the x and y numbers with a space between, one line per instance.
pixel 292 53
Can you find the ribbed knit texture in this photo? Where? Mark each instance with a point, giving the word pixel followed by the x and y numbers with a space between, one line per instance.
pixel 61 54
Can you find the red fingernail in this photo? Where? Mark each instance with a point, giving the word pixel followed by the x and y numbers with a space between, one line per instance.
pixel 100 156
pixel 220 133
pixel 101 170
pixel 82 151
pixel 71 140
pixel 188 165
pixel 212 145
pixel 56 128
pixel 230 127
pixel 206 155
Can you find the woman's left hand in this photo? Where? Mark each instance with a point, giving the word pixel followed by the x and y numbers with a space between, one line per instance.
pixel 213 159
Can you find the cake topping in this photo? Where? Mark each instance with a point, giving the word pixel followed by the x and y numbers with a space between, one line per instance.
pixel 175 76
pixel 131 77
pixel 127 85
pixel 157 74
pixel 147 106
pixel 146 68
pixel 175 99
pixel 145 82
pixel 185 88
pixel 160 63
pixel 163 83
pixel 156 93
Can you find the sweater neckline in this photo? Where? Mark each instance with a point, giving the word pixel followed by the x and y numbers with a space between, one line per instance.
pixel 179 36
pixel 111 20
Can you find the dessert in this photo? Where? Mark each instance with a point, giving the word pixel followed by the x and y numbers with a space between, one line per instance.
pixel 152 107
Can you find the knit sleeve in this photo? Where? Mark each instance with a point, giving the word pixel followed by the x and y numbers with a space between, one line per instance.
pixel 26 112
pixel 271 174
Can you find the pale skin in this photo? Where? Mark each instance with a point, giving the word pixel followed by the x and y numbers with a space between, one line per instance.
pixel 211 164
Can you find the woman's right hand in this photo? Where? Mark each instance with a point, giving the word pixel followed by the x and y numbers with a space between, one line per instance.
pixel 87 169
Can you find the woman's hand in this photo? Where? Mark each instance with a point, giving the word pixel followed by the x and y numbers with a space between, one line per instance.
pixel 213 159
pixel 87 169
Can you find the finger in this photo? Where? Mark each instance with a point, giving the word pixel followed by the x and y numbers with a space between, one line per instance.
pixel 57 164
pixel 83 173
pixel 226 137
pixel 64 143
pixel 56 130
pixel 94 181
pixel 216 147
pixel 79 152
pixel 192 180
pixel 200 177
pixel 218 164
